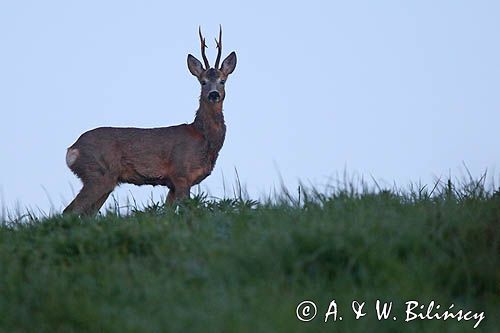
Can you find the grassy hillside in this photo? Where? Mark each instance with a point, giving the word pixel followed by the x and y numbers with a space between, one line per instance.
pixel 241 266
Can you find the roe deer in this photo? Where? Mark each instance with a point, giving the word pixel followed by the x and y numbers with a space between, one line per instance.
pixel 177 156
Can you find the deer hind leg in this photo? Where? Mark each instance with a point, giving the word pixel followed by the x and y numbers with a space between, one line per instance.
pixel 98 177
pixel 98 204
pixel 90 199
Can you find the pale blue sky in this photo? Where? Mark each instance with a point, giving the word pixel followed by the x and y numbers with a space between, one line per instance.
pixel 401 90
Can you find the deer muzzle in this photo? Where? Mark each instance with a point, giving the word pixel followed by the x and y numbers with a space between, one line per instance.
pixel 214 96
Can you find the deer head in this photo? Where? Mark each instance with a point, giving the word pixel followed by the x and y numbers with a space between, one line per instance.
pixel 212 79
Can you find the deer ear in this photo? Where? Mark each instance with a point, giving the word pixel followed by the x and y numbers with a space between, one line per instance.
pixel 228 64
pixel 194 65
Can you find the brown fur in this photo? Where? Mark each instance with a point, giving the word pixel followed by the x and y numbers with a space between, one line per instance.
pixel 177 156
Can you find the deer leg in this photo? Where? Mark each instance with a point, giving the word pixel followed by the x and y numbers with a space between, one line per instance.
pixel 98 204
pixel 182 192
pixel 171 196
pixel 90 199
pixel 82 201
pixel 179 191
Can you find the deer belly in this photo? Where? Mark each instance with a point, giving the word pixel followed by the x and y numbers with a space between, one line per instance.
pixel 132 176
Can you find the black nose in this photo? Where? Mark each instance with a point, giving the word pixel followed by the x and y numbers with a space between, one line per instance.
pixel 213 96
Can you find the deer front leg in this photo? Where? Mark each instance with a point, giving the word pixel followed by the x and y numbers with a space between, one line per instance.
pixel 179 191
pixel 182 192
pixel 171 196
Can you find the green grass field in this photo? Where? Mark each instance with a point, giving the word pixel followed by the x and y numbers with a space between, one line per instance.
pixel 236 265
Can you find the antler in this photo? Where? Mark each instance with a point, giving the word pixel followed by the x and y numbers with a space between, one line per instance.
pixel 203 46
pixel 219 47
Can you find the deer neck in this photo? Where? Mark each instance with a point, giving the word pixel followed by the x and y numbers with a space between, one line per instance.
pixel 209 121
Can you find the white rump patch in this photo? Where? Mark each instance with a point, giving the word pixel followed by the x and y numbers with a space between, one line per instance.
pixel 71 156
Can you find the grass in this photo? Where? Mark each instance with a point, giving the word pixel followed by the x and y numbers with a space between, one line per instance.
pixel 237 265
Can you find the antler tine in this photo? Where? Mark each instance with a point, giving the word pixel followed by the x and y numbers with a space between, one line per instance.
pixel 203 46
pixel 219 47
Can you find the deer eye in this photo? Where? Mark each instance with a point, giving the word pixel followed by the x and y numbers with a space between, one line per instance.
pixel 222 81
pixel 203 82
